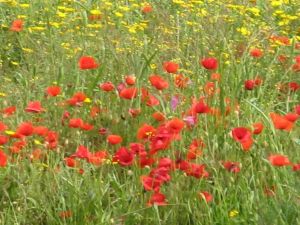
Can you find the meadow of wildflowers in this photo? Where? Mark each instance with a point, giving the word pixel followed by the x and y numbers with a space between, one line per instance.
pixel 180 112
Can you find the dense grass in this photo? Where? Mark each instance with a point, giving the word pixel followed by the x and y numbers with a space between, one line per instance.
pixel 45 180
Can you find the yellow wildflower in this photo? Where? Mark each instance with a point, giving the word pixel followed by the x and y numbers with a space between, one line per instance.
pixel 233 213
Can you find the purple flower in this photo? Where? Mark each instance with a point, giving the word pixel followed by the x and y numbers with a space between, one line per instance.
pixel 190 120
pixel 121 86
pixel 174 102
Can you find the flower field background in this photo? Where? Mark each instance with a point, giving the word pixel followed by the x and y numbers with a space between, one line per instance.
pixel 159 112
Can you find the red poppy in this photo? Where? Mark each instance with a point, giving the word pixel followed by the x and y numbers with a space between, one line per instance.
pixel 53 91
pixel 130 79
pixel 25 129
pixel 296 167
pixel 246 145
pixel 3 159
pixel 243 136
pixel 175 125
pixel 51 139
pixel 152 101
pixel 145 161
pixel 3 139
pixel 87 62
pixel 81 171
pixel 165 162
pixel 258 127
pixel 158 199
pixel 3 127
pixel 147 9
pixel 170 67
pixel 114 139
pixel 197 144
pixel 41 130
pixel 193 154
pixel 123 157
pixel 161 140
pixel 34 107
pixel 297 109
pixel 161 173
pixel 138 149
pixel 144 93
pixel 181 81
pixel 77 98
pixel 102 131
pixel 195 149
pixel 292 117
pixel 97 158
pixel 282 40
pixel 51 136
pixel 210 88
pixel 17 146
pixel 86 126
pixel 249 85
pixel 215 76
pixel 9 110
pixel 17 25
pixel 233 167
pixel 210 63
pixel 256 53
pixel 129 93
pixel 206 196
pixel 145 131
pixel 158 82
pixel 150 183
pixel 82 153
pixel 296 67
pixel 71 162
pixel 107 86
pixel 75 122
pixel 201 107
pixel 279 160
pixel 197 171
pixel 280 122
pixel 52 145
pixel 294 86
pixel 182 164
pixel 158 116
